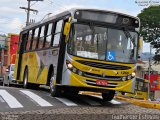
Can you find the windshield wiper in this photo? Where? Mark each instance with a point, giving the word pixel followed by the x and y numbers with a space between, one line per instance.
pixel 128 35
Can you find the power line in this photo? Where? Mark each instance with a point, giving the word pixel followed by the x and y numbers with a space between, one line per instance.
pixel 34 3
pixel 56 4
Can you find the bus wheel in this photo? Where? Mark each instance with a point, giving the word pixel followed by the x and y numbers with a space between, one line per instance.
pixel 25 79
pixel 108 96
pixel 55 90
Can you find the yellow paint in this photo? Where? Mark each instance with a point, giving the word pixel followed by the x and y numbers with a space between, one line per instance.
pixel 77 80
pixel 98 70
pixel 30 60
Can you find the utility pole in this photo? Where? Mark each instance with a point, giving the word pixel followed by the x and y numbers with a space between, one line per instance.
pixel 28 9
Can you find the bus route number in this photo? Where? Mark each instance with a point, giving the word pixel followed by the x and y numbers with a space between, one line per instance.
pixel 124 72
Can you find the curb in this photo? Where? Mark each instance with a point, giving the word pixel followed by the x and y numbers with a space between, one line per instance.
pixel 142 103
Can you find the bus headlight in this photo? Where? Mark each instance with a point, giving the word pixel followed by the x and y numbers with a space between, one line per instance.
pixel 70 66
pixel 80 73
pixel 129 77
pixel 133 74
pixel 124 78
pixel 74 70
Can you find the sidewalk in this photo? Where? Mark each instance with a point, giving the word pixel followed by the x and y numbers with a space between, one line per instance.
pixel 142 103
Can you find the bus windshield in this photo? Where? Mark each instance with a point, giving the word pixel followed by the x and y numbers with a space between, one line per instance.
pixel 103 43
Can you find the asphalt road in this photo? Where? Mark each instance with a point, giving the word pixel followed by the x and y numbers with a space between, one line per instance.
pixel 19 99
pixel 27 104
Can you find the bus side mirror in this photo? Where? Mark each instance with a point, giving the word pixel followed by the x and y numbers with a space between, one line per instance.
pixel 67 28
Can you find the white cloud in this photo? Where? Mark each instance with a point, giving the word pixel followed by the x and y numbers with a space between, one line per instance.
pixel 10 10
pixel 13 26
pixel 12 15
pixel 15 23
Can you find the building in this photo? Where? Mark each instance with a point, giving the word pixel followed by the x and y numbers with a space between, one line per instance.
pixel 8 49
pixel 4 50
pixel 13 40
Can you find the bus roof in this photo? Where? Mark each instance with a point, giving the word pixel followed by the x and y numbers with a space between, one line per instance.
pixel 72 11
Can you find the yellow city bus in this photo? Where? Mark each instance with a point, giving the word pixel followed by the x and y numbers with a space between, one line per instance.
pixel 80 50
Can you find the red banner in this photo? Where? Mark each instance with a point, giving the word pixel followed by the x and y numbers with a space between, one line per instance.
pixel 14 38
pixel 154 81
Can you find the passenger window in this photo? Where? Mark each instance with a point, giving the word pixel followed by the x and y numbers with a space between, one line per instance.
pixel 49 35
pixel 41 39
pixel 29 40
pixel 57 34
pixel 59 26
pixel 22 41
pixel 56 39
pixel 35 38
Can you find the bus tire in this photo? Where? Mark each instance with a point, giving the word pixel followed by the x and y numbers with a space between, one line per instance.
pixel 25 79
pixel 108 96
pixel 54 89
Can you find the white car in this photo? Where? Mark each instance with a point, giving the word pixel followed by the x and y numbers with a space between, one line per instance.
pixel 10 75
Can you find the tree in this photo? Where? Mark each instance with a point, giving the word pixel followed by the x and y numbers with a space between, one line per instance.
pixel 150 28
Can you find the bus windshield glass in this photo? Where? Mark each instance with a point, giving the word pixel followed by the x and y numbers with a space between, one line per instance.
pixel 102 43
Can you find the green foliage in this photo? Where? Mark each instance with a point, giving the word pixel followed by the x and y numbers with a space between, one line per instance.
pixel 150 27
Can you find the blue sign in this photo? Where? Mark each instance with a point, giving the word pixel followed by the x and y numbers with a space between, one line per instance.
pixel 155 82
pixel 111 56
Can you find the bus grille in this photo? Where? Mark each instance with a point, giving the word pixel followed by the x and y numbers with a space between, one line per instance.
pixel 95 76
pixel 103 65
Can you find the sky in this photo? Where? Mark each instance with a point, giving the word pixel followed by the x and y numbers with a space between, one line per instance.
pixel 13 19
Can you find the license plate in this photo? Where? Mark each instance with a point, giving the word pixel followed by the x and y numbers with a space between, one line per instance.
pixel 102 82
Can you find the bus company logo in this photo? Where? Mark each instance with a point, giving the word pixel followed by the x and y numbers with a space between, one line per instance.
pixel 147 2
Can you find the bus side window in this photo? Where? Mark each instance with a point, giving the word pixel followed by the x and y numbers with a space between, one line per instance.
pixel 28 42
pixel 41 39
pixel 35 39
pixel 58 32
pixel 49 35
pixel 22 42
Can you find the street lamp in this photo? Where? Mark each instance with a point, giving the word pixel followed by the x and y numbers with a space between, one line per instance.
pixel 48 14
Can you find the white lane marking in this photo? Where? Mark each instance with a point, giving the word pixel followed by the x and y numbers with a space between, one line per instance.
pixel 36 98
pixel 66 101
pixel 115 102
pixel 112 101
pixel 10 100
